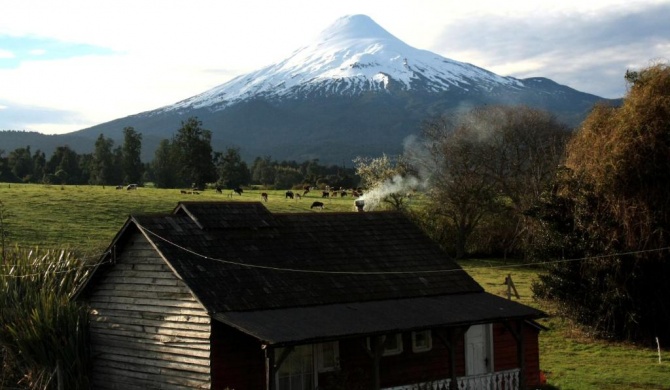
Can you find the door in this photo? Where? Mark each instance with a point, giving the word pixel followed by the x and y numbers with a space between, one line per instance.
pixel 478 351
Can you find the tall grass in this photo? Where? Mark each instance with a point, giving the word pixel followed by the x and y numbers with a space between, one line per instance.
pixel 43 332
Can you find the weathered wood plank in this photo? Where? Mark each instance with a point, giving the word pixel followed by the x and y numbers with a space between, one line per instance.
pixel 203 318
pixel 139 330
pixel 146 354
pixel 146 294
pixel 149 370
pixel 161 338
pixel 186 325
pixel 140 301
pixel 130 273
pixel 101 343
pixel 144 281
pixel 162 363
pixel 104 378
pixel 149 287
pixel 149 308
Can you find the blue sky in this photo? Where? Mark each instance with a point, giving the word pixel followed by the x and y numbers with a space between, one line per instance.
pixel 70 64
pixel 15 50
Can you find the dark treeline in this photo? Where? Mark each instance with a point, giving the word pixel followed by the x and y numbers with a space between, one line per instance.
pixel 186 160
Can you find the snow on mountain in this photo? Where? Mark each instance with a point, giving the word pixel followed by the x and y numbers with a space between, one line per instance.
pixel 351 56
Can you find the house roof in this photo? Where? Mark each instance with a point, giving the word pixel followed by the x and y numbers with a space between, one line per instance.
pixel 247 265
pixel 336 321
pixel 275 261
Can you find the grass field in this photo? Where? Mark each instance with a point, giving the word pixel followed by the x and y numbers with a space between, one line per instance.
pixel 86 218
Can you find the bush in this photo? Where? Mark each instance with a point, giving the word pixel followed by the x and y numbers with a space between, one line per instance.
pixel 43 333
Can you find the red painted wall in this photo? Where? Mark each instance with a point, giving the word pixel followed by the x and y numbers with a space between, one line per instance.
pixel 238 362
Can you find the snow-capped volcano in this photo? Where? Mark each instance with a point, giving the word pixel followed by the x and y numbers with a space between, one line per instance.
pixel 352 56
pixel 356 90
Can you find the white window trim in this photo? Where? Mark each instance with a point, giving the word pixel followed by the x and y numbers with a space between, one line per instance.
pixel 429 338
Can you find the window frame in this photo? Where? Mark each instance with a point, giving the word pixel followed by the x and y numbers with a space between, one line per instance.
pixel 429 340
pixel 390 352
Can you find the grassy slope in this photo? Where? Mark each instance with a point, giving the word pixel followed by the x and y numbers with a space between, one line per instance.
pixel 87 218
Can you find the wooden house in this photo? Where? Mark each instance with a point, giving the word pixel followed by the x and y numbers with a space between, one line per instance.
pixel 226 295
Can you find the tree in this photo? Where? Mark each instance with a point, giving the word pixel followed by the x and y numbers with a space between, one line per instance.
pixel 610 204
pixel 39 166
pixel 460 193
pixel 64 165
pixel 165 166
pixel 102 165
pixel 232 171
pixel 133 169
pixel 21 163
pixel 487 168
pixel 193 149
pixel 263 171
pixel 385 180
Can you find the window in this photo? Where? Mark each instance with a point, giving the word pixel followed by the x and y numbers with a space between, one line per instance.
pixel 392 344
pixel 422 341
pixel 328 356
pixel 296 372
pixel 300 367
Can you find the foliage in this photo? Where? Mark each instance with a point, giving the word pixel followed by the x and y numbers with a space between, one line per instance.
pixel 386 180
pixel 133 169
pixel 193 151
pixel 232 171
pixel 42 331
pixel 486 167
pixel 611 204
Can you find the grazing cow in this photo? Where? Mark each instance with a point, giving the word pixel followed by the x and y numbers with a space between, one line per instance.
pixel 238 191
pixel 184 192
pixel 131 187
pixel 289 195
pixel 317 205
pixel 297 196
pixel 119 187
pixel 264 196
pixel 219 190
pixel 325 194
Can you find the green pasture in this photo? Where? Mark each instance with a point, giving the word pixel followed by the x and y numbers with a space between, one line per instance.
pixel 86 218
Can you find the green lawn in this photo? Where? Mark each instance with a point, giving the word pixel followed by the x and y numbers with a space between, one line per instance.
pixel 572 359
pixel 86 218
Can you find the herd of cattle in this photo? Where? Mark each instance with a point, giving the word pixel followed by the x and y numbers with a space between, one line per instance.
pixel 290 194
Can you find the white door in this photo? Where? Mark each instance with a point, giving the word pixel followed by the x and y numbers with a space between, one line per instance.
pixel 478 359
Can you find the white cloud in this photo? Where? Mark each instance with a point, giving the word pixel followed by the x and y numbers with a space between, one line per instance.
pixel 6 54
pixel 166 51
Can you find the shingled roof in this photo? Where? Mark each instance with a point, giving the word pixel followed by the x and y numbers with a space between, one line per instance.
pixel 245 264
pixel 269 261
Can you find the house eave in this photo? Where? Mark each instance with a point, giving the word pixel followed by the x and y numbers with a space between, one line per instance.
pixel 303 325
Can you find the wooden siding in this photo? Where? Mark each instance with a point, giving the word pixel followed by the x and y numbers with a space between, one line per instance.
pixel 505 351
pixel 238 361
pixel 147 330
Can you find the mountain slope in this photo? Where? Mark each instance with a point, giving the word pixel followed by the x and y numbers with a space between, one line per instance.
pixel 355 90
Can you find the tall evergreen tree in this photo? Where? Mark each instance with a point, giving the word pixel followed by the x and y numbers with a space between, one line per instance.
pixel 102 168
pixel 133 169
pixel 165 166
pixel 233 172
pixel 193 148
